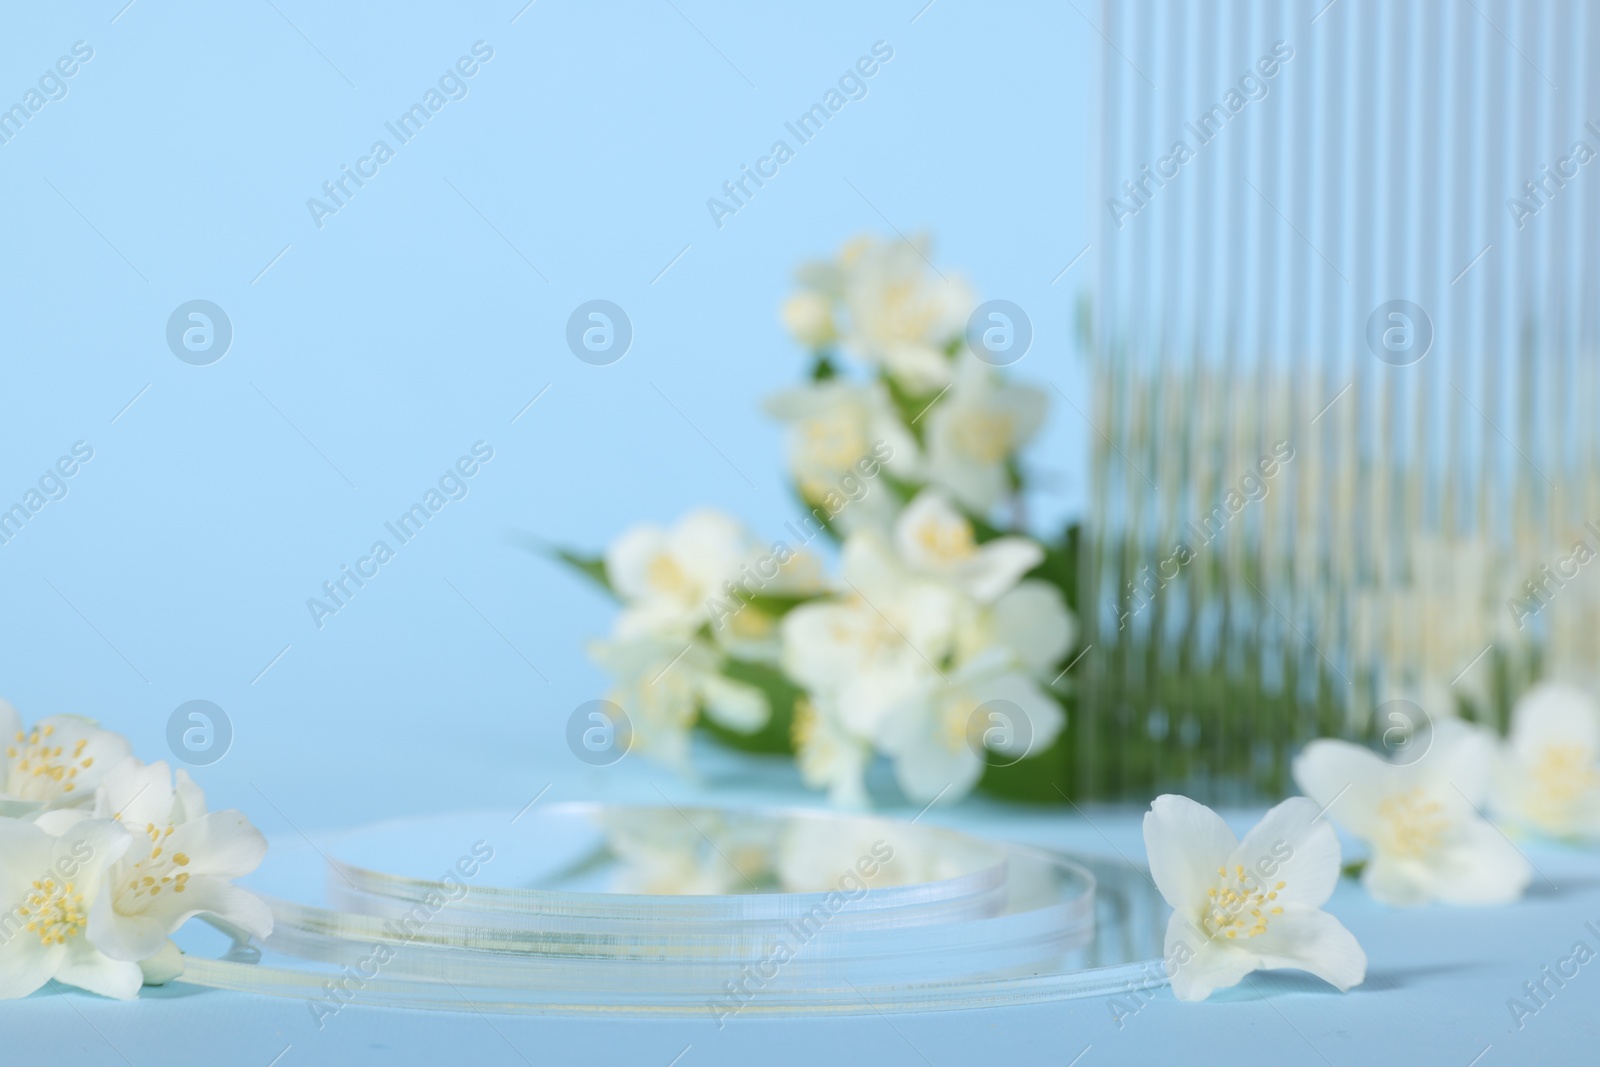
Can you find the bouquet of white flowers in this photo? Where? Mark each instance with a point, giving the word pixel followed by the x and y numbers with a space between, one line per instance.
pixel 942 642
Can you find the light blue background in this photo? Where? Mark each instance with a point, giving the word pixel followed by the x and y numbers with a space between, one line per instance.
pixel 380 347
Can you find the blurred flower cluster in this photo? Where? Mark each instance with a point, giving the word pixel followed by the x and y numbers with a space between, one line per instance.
pixel 940 642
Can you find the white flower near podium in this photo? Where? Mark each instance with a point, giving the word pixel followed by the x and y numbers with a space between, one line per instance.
pixel 1422 820
pixel 107 858
pixel 1246 905
pixel 934 631
pixel 663 682
pixel 1548 775
pixel 863 653
pixel 51 884
pixel 828 755
pixel 940 736
pixel 56 764
pixel 180 862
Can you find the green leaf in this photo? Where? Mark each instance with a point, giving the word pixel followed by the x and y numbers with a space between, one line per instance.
pixel 778 606
pixel 1045 777
pixel 911 407
pixel 982 529
pixel 901 488
pixel 817 513
pixel 1060 565
pixel 591 567
pixel 823 368
pixel 781 695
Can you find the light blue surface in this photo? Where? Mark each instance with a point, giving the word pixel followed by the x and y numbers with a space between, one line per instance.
pixel 368 354
pixel 1436 993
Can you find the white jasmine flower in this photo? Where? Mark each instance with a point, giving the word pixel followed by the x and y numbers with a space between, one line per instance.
pixel 745 622
pixel 664 682
pixel 935 741
pixel 1420 819
pixel 1419 635
pixel 809 317
pixel 936 539
pixel 56 764
pixel 829 756
pixel 52 883
pixel 880 665
pixel 179 862
pixel 897 312
pixel 865 653
pixel 1548 777
pixel 842 435
pixel 666 576
pixel 980 424
pixel 1241 906
pixel 1030 620
pixel 165 966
